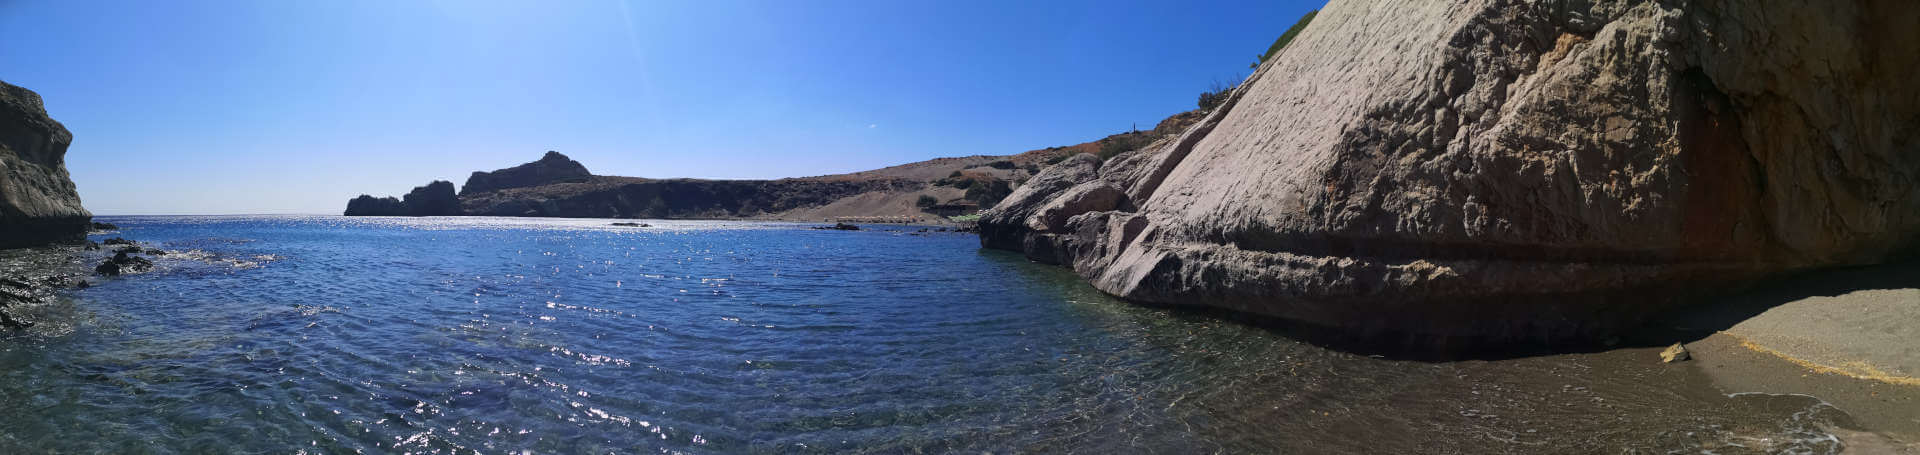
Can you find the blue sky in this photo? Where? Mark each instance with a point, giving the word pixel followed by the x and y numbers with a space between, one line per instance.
pixel 214 107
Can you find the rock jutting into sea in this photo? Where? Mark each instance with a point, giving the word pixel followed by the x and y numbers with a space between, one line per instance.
pixel 1491 171
pixel 433 199
pixel 38 202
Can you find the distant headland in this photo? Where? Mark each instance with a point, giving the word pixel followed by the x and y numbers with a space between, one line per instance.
pixel 931 191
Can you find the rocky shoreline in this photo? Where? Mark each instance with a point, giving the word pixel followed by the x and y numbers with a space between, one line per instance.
pixel 1500 175
pixel 38 274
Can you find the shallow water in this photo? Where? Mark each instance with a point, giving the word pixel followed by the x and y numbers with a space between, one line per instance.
pixel 445 335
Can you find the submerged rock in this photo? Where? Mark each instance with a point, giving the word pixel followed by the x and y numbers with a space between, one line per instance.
pixel 117 241
pixel 838 227
pixel 38 202
pixel 122 263
pixel 99 226
pixel 633 224
pixel 1418 171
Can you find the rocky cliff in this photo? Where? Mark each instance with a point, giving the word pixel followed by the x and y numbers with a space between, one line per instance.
pixel 550 168
pixel 38 203
pixel 556 186
pixel 626 197
pixel 1491 170
pixel 433 199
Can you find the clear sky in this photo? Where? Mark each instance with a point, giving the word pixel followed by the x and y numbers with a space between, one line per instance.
pixel 217 107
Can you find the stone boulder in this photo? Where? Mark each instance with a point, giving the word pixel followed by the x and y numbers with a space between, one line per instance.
pixel 550 168
pixel 1092 196
pixel 38 202
pixel 1004 225
pixel 1497 170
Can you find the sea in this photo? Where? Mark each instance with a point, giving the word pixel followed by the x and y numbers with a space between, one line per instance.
pixel 463 335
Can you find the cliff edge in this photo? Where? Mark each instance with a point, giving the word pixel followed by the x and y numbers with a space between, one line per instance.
pixel 1508 171
pixel 38 203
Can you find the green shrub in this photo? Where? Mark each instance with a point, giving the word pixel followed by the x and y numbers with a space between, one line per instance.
pixel 1122 143
pixel 1002 164
pixel 925 201
pixel 1286 38
pixel 1212 99
pixel 989 194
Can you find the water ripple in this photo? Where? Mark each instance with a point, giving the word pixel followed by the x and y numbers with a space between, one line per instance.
pixel 442 335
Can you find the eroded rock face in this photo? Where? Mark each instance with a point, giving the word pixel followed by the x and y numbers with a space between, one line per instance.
pixel 550 168
pixel 38 203
pixel 1505 170
pixel 1004 226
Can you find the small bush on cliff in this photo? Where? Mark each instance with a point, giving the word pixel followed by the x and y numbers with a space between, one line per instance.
pixel 1122 143
pixel 1002 164
pixel 925 201
pixel 1285 38
pixel 1216 94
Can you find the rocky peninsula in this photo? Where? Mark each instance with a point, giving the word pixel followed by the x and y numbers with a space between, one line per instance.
pixel 1438 174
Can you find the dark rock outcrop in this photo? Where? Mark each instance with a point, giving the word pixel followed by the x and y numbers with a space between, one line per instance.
pixel 38 203
pixel 624 197
pixel 366 205
pixel 121 263
pixel 550 168
pixel 433 199
pixel 1506 171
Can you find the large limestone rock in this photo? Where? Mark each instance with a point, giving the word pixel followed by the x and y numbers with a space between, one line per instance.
pixel 550 168
pixel 38 203
pixel 1506 170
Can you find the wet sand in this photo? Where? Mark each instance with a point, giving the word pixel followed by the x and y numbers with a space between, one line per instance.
pixel 1887 415
pixel 1849 337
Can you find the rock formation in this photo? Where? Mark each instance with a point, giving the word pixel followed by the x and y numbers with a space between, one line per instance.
pixel 38 203
pixel 626 197
pixel 1497 170
pixel 550 168
pixel 432 199
pixel 556 186
pixel 367 205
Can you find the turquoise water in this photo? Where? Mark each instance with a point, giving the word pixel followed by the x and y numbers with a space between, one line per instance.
pixel 464 335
